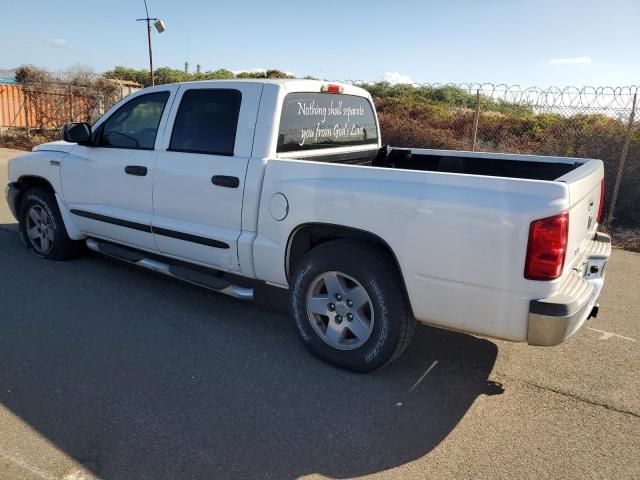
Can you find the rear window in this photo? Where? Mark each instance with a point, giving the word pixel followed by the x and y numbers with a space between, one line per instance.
pixel 324 120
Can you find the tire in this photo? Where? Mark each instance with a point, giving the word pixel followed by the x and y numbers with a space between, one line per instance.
pixel 42 229
pixel 380 326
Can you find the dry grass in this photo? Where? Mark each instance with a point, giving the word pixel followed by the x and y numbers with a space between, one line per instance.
pixel 627 239
pixel 18 139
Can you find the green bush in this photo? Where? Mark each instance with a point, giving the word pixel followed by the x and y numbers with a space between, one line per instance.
pixel 171 75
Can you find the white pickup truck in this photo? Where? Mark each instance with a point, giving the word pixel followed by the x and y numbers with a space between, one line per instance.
pixel 222 183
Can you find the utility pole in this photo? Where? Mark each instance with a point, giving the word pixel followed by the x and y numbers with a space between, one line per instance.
pixel 159 24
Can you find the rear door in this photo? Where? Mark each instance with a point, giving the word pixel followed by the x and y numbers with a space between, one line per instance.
pixel 200 172
pixel 108 186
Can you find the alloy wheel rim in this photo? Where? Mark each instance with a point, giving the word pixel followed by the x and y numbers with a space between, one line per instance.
pixel 40 229
pixel 340 310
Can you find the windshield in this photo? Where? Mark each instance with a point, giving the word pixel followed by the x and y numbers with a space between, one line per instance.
pixel 325 120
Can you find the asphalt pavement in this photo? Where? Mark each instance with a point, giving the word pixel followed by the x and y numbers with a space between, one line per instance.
pixel 107 371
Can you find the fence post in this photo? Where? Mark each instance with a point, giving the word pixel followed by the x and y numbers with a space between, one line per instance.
pixel 26 114
pixel 476 117
pixel 70 93
pixel 623 159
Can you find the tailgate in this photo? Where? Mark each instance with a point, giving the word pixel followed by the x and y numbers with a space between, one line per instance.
pixel 585 185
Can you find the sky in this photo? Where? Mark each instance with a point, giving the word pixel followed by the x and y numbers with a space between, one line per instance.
pixel 528 43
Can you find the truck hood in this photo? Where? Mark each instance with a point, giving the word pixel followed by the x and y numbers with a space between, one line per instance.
pixel 57 146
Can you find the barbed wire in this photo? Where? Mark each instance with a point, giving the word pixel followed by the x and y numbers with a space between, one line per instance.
pixel 605 97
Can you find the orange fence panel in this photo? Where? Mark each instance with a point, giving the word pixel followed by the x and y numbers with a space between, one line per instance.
pixel 12 102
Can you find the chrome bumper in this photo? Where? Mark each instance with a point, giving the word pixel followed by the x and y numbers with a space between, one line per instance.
pixel 552 320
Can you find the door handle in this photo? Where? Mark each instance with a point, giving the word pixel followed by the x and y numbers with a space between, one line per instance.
pixel 225 181
pixel 135 170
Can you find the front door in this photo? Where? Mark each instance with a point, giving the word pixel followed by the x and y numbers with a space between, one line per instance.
pixel 200 172
pixel 108 187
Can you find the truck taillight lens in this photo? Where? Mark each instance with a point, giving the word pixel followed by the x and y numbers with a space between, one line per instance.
pixel 601 201
pixel 332 88
pixel 547 247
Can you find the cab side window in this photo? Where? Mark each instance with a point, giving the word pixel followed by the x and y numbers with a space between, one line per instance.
pixel 207 121
pixel 135 124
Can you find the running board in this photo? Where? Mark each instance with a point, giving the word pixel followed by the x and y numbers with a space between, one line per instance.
pixel 182 273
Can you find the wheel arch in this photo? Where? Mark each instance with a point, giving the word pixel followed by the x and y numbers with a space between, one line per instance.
pixel 28 182
pixel 309 235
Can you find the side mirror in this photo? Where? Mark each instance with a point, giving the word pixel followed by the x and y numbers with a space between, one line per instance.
pixel 79 133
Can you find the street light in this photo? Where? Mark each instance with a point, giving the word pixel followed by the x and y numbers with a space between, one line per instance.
pixel 159 24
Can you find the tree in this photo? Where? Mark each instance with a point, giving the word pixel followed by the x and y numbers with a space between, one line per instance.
pixel 130 74
pixel 171 75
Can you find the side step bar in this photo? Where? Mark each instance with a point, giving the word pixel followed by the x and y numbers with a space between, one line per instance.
pixel 183 273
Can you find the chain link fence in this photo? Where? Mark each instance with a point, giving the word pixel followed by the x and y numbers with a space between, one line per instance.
pixel 588 122
pixel 583 122
pixel 34 109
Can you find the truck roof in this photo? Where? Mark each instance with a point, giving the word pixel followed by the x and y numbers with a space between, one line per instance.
pixel 276 81
pixel 289 84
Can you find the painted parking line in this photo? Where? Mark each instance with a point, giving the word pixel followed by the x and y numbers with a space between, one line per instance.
pixel 608 335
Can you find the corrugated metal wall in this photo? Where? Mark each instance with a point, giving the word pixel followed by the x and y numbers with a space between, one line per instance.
pixel 48 110
pixel 12 112
pixel 45 110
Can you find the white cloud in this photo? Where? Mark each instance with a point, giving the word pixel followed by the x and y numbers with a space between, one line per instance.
pixel 57 42
pixel 571 61
pixel 395 77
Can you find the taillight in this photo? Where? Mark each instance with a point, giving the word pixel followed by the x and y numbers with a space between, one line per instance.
pixel 332 88
pixel 601 201
pixel 547 247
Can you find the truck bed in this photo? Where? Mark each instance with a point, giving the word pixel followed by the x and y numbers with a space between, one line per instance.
pixel 449 161
pixel 485 164
pixel 460 238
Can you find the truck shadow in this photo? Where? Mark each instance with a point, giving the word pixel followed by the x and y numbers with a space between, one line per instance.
pixel 137 376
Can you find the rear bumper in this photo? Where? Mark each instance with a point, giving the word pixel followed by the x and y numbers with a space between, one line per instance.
pixel 552 320
pixel 12 192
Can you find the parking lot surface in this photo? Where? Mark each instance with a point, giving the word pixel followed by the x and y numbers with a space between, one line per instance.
pixel 110 372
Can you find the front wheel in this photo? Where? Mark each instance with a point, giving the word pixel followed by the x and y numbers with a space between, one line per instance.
pixel 42 229
pixel 349 305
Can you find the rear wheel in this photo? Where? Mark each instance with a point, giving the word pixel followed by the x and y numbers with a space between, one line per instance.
pixel 340 310
pixel 42 229
pixel 349 305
